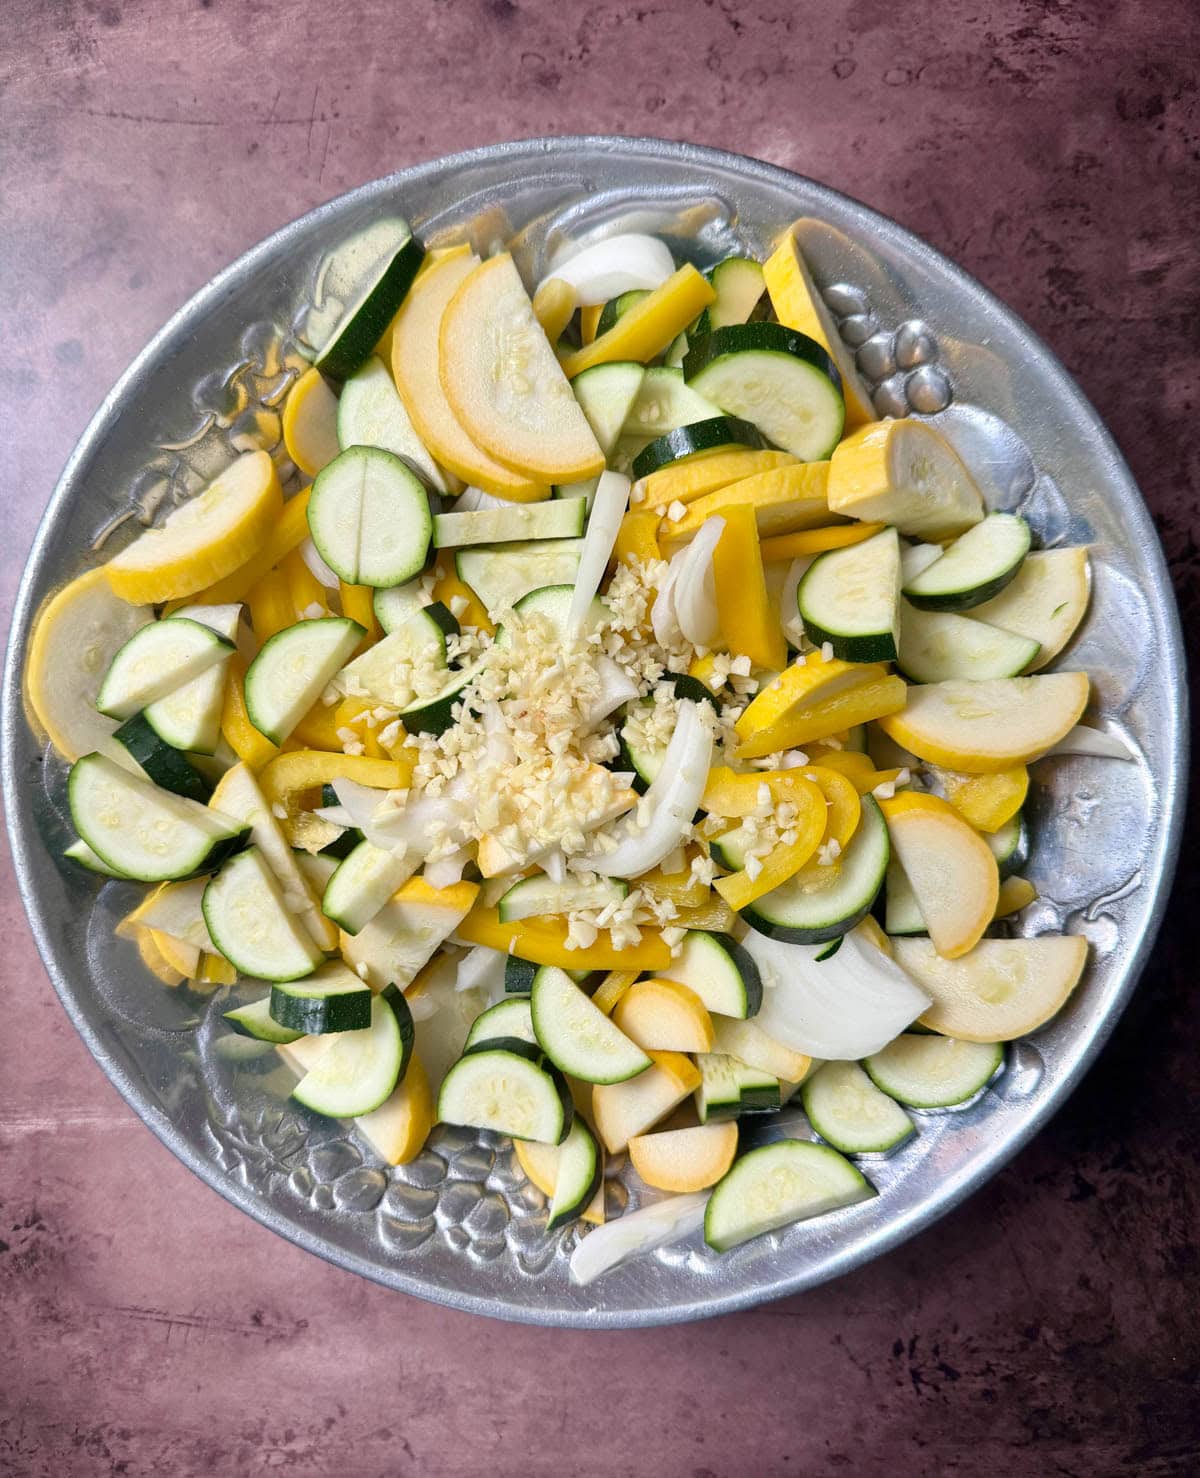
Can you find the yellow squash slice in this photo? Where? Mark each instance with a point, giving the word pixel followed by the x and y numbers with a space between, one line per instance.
pixel 155 961
pixel 415 368
pixel 612 988
pixel 814 698
pixel 664 1016
pixel 1045 601
pixel 1015 894
pixel 399 1127
pixel 816 541
pixel 290 531
pixel 204 539
pixel 553 304
pixel 540 1164
pixel 982 727
pixel 798 304
pixel 783 501
pixel 504 382
pixel 694 476
pixel 310 423
pixel 986 801
pixel 685 1159
pixel 949 866
pixel 544 942
pixel 622 1110
pixel 904 474
pixel 75 637
pixel 1003 989
pixel 650 325
pixel 749 627
pixel 253 748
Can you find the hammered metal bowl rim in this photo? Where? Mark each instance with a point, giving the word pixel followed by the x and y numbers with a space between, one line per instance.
pixel 873 224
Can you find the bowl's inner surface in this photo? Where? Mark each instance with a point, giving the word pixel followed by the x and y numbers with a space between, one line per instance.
pixel 460 1224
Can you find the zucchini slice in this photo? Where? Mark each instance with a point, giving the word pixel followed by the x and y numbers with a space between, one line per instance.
pixel 849 1112
pixel 536 896
pixel 936 646
pixel 502 574
pixel 741 292
pixel 934 1072
pixel 292 670
pixel 720 972
pixel 976 567
pixel 394 605
pixel 682 1160
pixel 364 881
pixel 359 1070
pixel 717 433
pixel 406 932
pixel 747 1041
pixel 902 913
pixel 256 1021
pixel 1009 844
pixel 155 661
pixel 141 831
pixel 369 517
pixel 560 519
pixel 508 1020
pixel 385 671
pixel 499 1090
pixel 850 598
pixel 782 381
pixel 578 1176
pixel 81 853
pixel 382 282
pixel 606 394
pixel 664 402
pixel 617 307
pixel 167 767
pixel 730 1087
pixel 790 1180
pixel 806 915
pixel 1004 988
pixel 331 999
pixel 577 1036
pixel 435 715
pixel 371 413
pixel 251 924
pixel 189 718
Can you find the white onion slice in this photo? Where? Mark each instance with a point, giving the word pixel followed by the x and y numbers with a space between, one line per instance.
pixel 606 269
pixel 616 687
pixel 335 815
pixel 789 611
pixel 412 825
pixel 604 522
pixel 663 621
pixel 1083 740
pixel 670 801
pixel 637 1233
pixel 448 870
pixel 482 968
pixel 695 593
pixel 475 500
pixel 317 566
pixel 844 1007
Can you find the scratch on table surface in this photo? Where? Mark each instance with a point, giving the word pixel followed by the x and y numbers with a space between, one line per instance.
pixel 17 1124
pixel 259 1325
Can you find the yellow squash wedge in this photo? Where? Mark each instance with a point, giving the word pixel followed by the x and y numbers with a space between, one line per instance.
pixel 243 738
pixel 589 322
pixel 904 474
pixel 540 1165
pixel 215 970
pixel 950 867
pixel 983 727
pixel 155 961
pixel 178 954
pixel 75 637
pixel 415 368
pixel 305 591
pixel 553 304
pixel 986 801
pixel 398 1128
pixel 310 423
pixel 816 541
pixel 705 472
pixel 1004 988
pixel 544 942
pixel 663 1016
pixel 290 530
pixel 620 1111
pixel 813 698
pixel 612 988
pixel 637 538
pixel 684 1160
pixel 504 382
pixel 798 304
pixel 358 604
pixel 270 604
pixel 783 501
pixel 204 539
pixel 843 806
pixel 1015 894
pixel 650 325
pixel 857 768
pixel 749 627
pixel 1045 601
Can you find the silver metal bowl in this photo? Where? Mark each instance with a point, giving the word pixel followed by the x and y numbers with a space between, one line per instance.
pixel 460 1226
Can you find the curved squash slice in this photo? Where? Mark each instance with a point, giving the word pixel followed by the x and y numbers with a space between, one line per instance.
pixel 621 1111
pixel 664 1016
pixel 983 727
pixel 986 801
pixel 540 1164
pixel 812 699
pixel 505 384
pixel 154 959
pixel 310 423
pixel 1044 602
pixel 1003 989
pixel 398 1128
pixel 75 637
pixel 685 1159
pixel 204 539
pixel 950 867
pixel 418 379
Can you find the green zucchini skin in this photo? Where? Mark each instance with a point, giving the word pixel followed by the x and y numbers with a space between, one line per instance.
pixel 701 436
pixel 363 325
pixel 772 338
pixel 165 766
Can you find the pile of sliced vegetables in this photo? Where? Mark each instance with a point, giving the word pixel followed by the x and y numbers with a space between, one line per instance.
pixel 617 734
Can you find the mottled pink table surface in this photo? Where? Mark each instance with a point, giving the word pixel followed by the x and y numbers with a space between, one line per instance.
pixel 1047 1327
